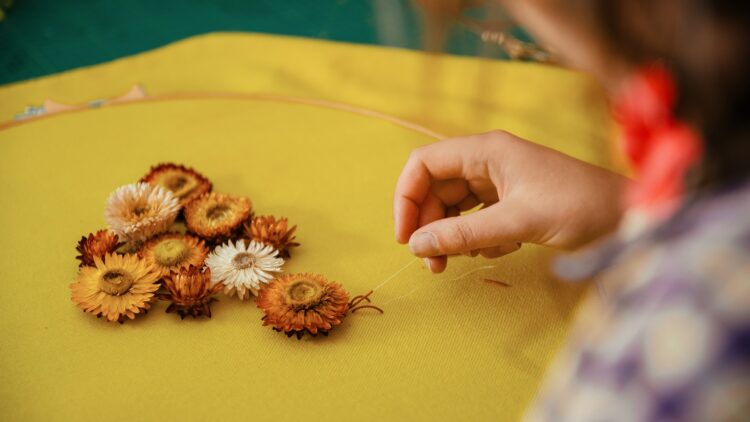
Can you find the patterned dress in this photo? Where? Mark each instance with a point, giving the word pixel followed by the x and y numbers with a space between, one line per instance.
pixel 666 336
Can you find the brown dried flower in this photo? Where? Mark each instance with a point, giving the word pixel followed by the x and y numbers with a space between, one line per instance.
pixel 216 217
pixel 296 304
pixel 272 232
pixel 173 252
pixel 190 292
pixel 184 182
pixel 96 244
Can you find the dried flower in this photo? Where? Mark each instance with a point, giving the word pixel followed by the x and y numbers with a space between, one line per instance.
pixel 272 232
pixel 184 182
pixel 97 244
pixel 190 292
pixel 116 287
pixel 215 216
pixel 243 266
pixel 172 252
pixel 138 211
pixel 132 247
pixel 296 304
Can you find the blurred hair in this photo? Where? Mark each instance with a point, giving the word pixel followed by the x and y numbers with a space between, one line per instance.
pixel 705 44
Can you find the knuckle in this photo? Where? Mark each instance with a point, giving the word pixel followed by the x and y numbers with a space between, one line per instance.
pixel 503 137
pixel 462 236
pixel 499 133
pixel 416 154
pixel 494 135
pixel 495 139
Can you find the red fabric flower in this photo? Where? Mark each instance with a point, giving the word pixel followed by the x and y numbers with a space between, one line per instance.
pixel 660 147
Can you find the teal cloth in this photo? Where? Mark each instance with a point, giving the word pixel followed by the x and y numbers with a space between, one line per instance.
pixel 42 37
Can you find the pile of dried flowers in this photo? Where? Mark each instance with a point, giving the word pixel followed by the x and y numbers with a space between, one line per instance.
pixel 170 237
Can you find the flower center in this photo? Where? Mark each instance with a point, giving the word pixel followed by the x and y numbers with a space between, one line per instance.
pixel 180 184
pixel 304 292
pixel 243 260
pixel 115 282
pixel 171 252
pixel 217 212
pixel 176 182
pixel 140 210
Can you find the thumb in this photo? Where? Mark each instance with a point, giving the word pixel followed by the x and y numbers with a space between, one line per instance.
pixel 486 228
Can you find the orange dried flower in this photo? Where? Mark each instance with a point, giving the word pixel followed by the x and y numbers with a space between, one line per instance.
pixel 272 232
pixel 173 252
pixel 97 244
pixel 116 287
pixel 214 216
pixel 184 182
pixel 190 292
pixel 296 304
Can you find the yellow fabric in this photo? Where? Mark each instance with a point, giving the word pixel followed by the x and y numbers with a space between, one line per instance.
pixel 452 95
pixel 454 349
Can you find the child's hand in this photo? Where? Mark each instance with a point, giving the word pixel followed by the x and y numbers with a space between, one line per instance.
pixel 529 194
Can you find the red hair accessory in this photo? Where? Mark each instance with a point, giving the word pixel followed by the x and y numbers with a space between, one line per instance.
pixel 660 147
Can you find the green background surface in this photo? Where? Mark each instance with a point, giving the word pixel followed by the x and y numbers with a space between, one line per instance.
pixel 41 37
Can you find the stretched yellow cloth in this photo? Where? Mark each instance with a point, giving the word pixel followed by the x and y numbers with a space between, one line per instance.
pixel 448 347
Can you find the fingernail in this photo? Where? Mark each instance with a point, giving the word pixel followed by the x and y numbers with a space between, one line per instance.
pixel 423 244
pixel 428 263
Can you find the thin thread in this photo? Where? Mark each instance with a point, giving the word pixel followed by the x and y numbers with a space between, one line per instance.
pixel 384 282
pixel 402 296
pixel 414 290
pixel 486 267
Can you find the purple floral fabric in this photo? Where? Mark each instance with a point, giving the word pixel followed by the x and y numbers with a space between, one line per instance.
pixel 666 337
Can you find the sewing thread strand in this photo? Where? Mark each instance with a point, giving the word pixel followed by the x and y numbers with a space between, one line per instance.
pixel 414 290
pixel 384 282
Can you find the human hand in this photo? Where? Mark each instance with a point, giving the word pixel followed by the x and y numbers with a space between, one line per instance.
pixel 529 194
